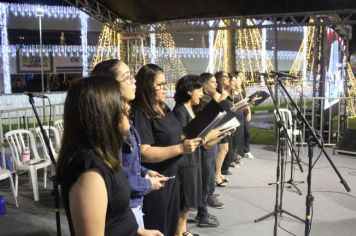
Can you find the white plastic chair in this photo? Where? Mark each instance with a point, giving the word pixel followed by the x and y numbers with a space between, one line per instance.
pixel 59 125
pixel 287 118
pixel 4 174
pixel 18 140
pixel 57 140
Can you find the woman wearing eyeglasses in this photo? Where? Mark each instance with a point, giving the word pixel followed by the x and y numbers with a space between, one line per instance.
pixel 161 147
pixel 141 179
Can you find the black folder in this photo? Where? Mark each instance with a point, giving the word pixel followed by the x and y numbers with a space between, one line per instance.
pixel 205 120
pixel 257 98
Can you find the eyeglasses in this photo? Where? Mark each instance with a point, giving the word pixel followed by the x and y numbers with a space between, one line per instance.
pixel 130 79
pixel 163 85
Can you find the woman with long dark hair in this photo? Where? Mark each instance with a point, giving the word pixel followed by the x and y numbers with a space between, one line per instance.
pixel 94 187
pixel 141 179
pixel 161 147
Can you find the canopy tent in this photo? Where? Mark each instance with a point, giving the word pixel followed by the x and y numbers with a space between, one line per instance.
pixel 152 11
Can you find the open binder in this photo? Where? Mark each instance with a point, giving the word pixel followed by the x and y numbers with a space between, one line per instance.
pixel 253 100
pixel 213 115
pixel 219 115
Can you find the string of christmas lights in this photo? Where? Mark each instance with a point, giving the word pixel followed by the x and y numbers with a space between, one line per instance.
pixel 304 56
pixel 60 50
pixel 5 47
pixel 172 65
pixel 84 36
pixel 30 10
pixel 351 91
pixel 114 51
pixel 108 38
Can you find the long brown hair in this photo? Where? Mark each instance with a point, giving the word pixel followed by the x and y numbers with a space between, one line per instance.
pixel 92 112
pixel 145 90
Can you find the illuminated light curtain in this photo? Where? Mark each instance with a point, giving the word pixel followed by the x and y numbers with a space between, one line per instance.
pixel 108 47
pixel 166 56
pixel 84 36
pixel 303 64
pixel 252 56
pixel 219 59
pixel 5 47
pixel 153 47
pixel 351 91
pixel 210 67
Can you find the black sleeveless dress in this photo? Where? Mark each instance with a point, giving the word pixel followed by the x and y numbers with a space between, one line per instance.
pixel 119 217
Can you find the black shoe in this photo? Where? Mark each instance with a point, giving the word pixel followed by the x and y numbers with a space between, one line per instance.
pixel 226 172
pixel 208 221
pixel 215 203
pixel 193 220
pixel 196 219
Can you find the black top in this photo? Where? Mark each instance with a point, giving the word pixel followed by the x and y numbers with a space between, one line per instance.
pixel 119 217
pixel 160 132
pixel 183 116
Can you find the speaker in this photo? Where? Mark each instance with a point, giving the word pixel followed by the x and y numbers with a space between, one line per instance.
pixel 347 145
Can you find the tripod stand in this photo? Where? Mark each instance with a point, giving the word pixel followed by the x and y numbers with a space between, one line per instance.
pixel 312 141
pixel 294 158
pixel 291 181
pixel 54 179
pixel 283 136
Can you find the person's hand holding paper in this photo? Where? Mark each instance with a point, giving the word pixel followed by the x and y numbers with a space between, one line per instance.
pixel 189 145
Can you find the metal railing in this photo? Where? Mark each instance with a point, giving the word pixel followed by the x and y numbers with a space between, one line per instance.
pixel 327 122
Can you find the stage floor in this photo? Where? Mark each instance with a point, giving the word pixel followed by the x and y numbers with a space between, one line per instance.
pixel 247 197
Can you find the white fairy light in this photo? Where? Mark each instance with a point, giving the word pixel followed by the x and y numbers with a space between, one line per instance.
pixel 5 47
pixel 84 30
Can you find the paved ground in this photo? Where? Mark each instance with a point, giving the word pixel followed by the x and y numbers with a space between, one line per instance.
pixel 247 197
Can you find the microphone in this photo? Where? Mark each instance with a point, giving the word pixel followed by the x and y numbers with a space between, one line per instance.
pixel 265 74
pixel 282 74
pixel 267 78
pixel 34 95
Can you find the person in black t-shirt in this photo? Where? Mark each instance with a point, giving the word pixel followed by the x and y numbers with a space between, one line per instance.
pixel 161 147
pixel 142 180
pixel 95 190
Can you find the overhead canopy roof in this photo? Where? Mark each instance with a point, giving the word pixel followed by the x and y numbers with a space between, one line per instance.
pixel 151 11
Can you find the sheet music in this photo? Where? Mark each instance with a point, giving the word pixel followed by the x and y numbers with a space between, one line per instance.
pixel 212 124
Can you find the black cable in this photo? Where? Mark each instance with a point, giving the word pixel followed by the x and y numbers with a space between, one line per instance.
pixel 285 230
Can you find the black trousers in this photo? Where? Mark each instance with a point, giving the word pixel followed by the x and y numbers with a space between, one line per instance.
pixel 241 138
pixel 208 164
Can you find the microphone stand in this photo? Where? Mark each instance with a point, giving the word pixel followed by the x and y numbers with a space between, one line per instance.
pixel 54 178
pixel 297 124
pixel 282 135
pixel 312 141
pixel 290 146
